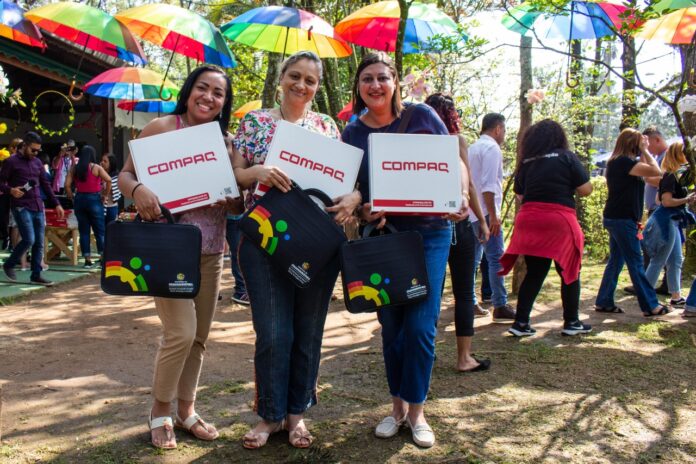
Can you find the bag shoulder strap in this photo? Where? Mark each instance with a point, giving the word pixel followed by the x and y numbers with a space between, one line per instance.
pixel 405 118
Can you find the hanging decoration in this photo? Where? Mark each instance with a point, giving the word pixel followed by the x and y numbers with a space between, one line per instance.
pixel 35 115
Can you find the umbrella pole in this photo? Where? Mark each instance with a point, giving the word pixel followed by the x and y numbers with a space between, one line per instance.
pixel 285 47
pixel 167 71
pixel 71 92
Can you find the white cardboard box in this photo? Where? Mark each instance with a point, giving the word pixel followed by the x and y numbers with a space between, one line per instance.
pixel 313 160
pixel 187 168
pixel 415 173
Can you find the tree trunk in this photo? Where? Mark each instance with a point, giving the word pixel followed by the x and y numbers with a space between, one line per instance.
pixel 399 49
pixel 526 114
pixel 629 110
pixel 332 86
pixel 270 85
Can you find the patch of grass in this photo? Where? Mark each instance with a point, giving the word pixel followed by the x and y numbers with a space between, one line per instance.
pixel 314 455
pixel 664 333
pixel 9 450
pixel 107 453
pixel 537 351
pixel 228 387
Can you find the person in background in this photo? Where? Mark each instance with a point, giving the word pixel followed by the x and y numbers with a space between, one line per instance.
pixel 486 161
pixel 461 255
pixel 233 235
pixel 547 177
pixel 21 177
pixel 664 232
pixel 110 164
pixel 205 96
pixel 62 164
pixel 92 184
pixel 657 146
pixel 623 211
pixel 5 229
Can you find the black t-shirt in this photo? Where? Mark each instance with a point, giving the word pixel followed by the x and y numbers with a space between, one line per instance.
pixel 625 199
pixel 669 183
pixel 551 178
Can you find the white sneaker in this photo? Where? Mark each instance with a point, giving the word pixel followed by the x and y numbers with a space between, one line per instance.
pixel 388 427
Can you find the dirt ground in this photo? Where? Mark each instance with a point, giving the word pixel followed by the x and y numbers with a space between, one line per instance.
pixel 76 368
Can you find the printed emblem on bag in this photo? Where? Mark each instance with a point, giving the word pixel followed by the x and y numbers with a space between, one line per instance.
pixel 269 241
pixel 379 297
pixel 181 285
pixel 136 282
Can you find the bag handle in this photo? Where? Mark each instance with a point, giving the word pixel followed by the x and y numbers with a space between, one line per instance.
pixel 165 213
pixel 319 195
pixel 372 227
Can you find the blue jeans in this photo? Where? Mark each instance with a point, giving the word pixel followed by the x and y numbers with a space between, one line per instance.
pixel 89 212
pixel 494 249
pixel 289 326
pixel 624 247
pixel 31 225
pixel 408 331
pixel 233 235
pixel 664 249
pixel 110 214
pixel 691 299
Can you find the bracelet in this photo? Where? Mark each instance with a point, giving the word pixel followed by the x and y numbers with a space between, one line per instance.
pixel 134 189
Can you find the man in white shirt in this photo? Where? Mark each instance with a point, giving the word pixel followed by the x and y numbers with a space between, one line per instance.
pixel 486 162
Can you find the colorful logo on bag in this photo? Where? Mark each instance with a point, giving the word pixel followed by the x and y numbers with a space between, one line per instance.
pixel 379 297
pixel 269 241
pixel 180 276
pixel 127 276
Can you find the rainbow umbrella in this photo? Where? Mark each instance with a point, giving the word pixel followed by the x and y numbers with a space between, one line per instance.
pixel 677 27
pixel 286 30
pixel 671 5
pixel 179 30
pixel 346 112
pixel 376 26
pixel 14 26
pixel 130 84
pixel 89 27
pixel 147 106
pixel 576 20
pixel 245 108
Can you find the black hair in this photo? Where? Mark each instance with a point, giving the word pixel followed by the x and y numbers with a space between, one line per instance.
pixel 445 108
pixel 542 138
pixel 224 117
pixel 370 59
pixel 31 137
pixel 113 164
pixel 87 155
pixel 491 121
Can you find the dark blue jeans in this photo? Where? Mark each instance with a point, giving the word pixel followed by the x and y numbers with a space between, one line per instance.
pixel 110 214
pixel 289 326
pixel 31 225
pixel 233 235
pixel 624 247
pixel 408 331
pixel 89 212
pixel 461 265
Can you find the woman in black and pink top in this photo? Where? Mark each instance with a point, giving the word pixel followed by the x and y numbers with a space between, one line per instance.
pixel 88 177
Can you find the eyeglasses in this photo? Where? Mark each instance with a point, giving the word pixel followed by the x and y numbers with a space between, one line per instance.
pixel 35 151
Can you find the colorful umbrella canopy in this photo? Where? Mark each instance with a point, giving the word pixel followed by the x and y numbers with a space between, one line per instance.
pixel 665 5
pixel 89 27
pixel 376 26
pixel 179 30
pixel 677 27
pixel 130 84
pixel 14 26
pixel 147 106
pixel 286 30
pixel 245 108
pixel 576 20
pixel 346 112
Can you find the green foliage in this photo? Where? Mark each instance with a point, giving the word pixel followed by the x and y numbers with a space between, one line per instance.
pixel 596 237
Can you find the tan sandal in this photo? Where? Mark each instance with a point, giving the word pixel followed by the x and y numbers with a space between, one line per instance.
pixel 255 440
pixel 166 423
pixel 299 437
pixel 192 420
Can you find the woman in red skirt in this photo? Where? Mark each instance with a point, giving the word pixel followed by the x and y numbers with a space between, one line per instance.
pixel 548 176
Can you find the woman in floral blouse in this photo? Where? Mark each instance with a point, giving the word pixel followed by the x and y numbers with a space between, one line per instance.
pixel 289 321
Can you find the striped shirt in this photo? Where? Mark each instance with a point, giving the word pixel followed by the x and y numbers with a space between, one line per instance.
pixel 115 192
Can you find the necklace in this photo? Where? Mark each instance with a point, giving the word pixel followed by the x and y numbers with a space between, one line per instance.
pixel 282 116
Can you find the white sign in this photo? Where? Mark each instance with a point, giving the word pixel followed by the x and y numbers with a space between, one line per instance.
pixel 414 173
pixel 313 160
pixel 186 168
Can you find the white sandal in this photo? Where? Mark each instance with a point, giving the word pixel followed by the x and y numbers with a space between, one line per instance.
pixel 164 422
pixel 192 420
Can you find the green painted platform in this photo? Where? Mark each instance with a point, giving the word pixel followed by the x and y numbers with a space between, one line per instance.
pixel 59 271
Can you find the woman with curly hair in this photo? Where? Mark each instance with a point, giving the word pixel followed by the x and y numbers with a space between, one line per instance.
pixel 461 255
pixel 548 175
